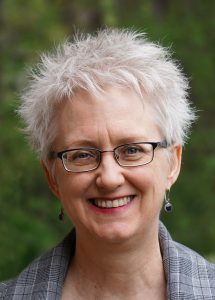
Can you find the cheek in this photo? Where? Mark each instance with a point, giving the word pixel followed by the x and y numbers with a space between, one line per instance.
pixel 71 195
pixel 151 181
pixel 145 176
pixel 72 186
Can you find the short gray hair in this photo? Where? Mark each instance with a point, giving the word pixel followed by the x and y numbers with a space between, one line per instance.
pixel 113 57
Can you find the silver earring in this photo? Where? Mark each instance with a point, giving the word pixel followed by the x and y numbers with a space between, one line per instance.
pixel 61 214
pixel 168 207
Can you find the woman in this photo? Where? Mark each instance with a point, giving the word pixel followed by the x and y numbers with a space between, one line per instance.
pixel 108 115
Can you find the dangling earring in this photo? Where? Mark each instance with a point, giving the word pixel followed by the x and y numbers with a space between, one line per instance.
pixel 61 214
pixel 168 207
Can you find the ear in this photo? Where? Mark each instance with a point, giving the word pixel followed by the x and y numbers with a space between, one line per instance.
pixel 175 164
pixel 51 180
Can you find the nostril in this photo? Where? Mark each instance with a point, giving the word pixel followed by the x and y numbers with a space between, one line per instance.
pixel 109 180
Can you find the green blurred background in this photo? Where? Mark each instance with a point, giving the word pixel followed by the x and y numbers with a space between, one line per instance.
pixel 28 212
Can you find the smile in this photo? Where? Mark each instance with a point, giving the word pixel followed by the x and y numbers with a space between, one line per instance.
pixel 112 203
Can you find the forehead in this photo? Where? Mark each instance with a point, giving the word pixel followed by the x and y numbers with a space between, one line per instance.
pixel 116 114
pixel 112 100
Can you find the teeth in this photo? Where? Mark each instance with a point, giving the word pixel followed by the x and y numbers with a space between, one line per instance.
pixel 114 203
pixel 109 204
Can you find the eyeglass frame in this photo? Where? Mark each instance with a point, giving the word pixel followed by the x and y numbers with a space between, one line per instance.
pixel 161 144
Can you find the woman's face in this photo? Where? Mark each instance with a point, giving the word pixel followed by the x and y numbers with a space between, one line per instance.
pixel 116 118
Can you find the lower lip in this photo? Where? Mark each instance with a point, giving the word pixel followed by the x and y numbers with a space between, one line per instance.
pixel 112 210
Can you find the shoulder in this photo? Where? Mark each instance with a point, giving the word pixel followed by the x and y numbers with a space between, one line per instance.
pixel 180 253
pixel 42 277
pixel 196 274
pixel 189 275
pixel 3 289
pixel 194 260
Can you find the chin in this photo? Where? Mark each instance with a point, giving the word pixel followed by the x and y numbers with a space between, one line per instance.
pixel 116 233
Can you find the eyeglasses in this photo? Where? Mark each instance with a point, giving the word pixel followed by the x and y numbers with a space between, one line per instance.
pixel 86 159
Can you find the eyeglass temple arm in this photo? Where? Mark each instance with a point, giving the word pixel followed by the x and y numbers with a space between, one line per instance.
pixel 163 144
pixel 53 154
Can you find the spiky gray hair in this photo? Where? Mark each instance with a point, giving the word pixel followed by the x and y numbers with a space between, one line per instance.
pixel 118 58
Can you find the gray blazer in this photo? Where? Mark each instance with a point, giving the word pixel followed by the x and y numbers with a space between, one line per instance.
pixel 189 276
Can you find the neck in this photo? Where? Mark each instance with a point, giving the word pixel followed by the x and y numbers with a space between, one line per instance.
pixel 128 266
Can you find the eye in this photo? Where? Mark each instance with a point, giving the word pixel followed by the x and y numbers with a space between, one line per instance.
pixel 131 150
pixel 80 156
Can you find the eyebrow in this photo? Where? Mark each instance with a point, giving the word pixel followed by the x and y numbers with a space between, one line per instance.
pixel 132 139
pixel 89 143
pixel 80 143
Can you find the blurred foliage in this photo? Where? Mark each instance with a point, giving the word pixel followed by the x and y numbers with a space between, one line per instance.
pixel 28 211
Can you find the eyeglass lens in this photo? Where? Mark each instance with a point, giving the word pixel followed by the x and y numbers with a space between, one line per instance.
pixel 86 159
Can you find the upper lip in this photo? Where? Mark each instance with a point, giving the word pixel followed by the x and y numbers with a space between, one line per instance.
pixel 111 198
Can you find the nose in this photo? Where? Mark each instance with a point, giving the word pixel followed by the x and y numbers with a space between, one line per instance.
pixel 109 174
